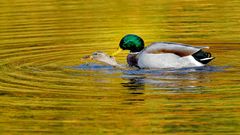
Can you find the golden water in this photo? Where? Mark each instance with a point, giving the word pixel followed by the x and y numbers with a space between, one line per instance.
pixel 46 89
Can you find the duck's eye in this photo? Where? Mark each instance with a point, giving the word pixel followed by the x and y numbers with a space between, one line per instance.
pixel 95 54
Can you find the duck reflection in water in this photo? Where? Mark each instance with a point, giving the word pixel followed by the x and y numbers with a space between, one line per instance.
pixel 172 81
pixel 134 83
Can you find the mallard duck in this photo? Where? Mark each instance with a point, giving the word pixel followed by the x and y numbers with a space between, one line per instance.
pixel 162 54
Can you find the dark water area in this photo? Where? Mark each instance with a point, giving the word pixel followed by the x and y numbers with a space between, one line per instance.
pixel 46 89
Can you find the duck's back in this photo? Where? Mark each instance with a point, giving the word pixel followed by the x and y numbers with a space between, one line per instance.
pixel 170 47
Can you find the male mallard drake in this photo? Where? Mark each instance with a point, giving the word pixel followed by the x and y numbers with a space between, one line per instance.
pixel 162 54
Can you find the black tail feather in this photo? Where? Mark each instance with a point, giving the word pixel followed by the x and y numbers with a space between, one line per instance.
pixel 203 57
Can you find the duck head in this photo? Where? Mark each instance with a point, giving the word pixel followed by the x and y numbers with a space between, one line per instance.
pixel 103 57
pixel 130 42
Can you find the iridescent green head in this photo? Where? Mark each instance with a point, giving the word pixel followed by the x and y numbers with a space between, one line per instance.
pixel 132 42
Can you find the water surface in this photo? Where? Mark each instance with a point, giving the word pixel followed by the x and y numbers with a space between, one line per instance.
pixel 46 89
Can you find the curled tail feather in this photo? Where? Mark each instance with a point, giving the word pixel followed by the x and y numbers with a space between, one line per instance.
pixel 203 57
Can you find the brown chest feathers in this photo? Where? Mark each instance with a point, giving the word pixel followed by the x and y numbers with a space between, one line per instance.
pixel 132 60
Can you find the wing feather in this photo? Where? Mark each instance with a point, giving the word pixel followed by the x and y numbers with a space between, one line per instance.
pixel 170 47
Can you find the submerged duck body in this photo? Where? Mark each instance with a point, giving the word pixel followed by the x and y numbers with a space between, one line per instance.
pixel 163 54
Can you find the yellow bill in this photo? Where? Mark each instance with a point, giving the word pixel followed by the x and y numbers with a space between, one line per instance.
pixel 117 52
